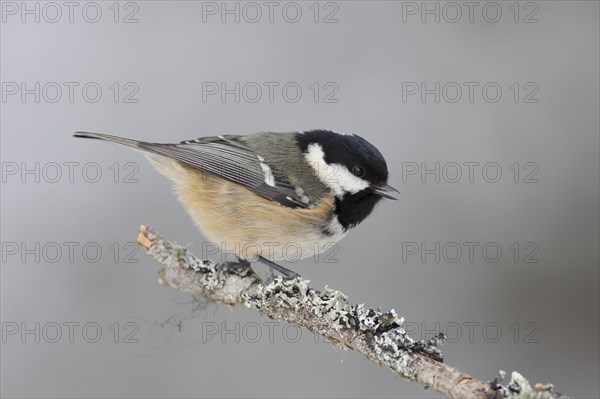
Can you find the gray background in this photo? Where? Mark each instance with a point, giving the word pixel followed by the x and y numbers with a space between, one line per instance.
pixel 368 54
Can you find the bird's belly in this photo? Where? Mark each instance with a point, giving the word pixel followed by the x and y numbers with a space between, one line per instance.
pixel 239 221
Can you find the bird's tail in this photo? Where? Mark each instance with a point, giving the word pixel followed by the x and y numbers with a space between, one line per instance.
pixel 115 139
pixel 164 161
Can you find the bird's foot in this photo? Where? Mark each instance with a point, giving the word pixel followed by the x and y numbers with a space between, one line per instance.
pixel 229 266
pixel 286 274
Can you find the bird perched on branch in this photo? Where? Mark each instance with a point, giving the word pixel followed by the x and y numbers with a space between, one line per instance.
pixel 266 194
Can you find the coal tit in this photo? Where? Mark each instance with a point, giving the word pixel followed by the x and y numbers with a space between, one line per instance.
pixel 265 194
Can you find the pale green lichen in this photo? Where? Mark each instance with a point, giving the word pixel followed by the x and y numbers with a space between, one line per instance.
pixel 175 255
pixel 382 331
pixel 519 388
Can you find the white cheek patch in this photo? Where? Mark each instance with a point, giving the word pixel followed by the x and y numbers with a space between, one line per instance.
pixel 335 176
pixel 349 182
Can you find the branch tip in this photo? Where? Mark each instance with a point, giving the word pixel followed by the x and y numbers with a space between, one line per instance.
pixel 143 238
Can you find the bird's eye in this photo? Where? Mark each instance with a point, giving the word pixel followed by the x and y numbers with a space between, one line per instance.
pixel 358 171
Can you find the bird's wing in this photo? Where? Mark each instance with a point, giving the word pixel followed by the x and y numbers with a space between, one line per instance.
pixel 230 158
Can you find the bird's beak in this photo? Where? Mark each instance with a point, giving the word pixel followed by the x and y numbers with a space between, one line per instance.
pixel 385 190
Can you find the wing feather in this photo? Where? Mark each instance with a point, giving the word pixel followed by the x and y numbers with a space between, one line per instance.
pixel 230 159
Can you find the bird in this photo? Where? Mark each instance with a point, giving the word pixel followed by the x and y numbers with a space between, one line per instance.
pixel 268 193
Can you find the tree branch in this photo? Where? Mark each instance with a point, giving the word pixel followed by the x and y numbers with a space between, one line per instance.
pixel 377 335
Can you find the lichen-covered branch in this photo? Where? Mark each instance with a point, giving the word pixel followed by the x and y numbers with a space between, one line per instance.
pixel 377 335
